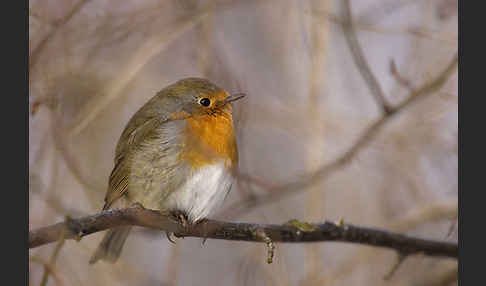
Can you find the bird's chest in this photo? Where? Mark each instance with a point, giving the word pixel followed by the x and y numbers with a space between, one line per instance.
pixel 207 140
pixel 203 191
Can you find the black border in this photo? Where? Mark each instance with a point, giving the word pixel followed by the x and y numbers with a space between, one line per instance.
pixel 17 34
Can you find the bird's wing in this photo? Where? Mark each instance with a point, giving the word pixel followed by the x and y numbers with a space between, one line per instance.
pixel 118 182
pixel 140 128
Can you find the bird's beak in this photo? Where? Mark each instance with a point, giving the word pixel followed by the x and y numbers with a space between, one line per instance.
pixel 234 97
pixel 230 98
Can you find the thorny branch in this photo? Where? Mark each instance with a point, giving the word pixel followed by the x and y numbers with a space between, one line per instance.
pixel 292 231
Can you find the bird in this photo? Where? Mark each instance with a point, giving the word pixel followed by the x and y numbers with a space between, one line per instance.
pixel 178 153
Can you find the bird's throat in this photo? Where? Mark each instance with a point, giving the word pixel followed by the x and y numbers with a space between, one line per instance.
pixel 210 139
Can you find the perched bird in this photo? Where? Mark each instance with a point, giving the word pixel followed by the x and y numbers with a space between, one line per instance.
pixel 178 153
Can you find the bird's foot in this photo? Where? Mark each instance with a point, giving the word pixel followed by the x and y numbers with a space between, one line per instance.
pixel 169 237
pixel 181 218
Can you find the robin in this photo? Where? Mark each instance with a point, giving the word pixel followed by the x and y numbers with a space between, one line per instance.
pixel 178 153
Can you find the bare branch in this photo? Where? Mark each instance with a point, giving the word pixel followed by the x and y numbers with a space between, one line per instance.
pixel 293 231
pixel 360 60
pixel 398 77
pixel 49 268
pixel 393 270
pixel 52 262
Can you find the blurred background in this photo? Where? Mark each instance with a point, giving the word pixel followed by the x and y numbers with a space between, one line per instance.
pixel 351 114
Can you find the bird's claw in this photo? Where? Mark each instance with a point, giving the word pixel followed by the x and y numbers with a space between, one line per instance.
pixel 169 238
pixel 181 218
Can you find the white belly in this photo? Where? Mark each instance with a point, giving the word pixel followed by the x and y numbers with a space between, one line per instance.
pixel 203 192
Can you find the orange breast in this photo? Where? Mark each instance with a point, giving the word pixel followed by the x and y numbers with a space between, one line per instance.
pixel 209 139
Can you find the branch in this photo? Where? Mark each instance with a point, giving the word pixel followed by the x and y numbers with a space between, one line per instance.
pixel 360 59
pixel 49 268
pixel 293 231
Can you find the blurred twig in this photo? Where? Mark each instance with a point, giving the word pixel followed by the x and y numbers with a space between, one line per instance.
pixel 401 258
pixel 49 266
pixel 360 60
pixel 380 10
pixel 452 228
pixel 279 192
pixel 61 145
pixel 398 77
pixel 56 26
pixel 316 144
pixel 205 51
pixel 365 25
pixel 293 231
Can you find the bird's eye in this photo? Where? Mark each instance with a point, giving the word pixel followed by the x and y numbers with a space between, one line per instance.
pixel 205 101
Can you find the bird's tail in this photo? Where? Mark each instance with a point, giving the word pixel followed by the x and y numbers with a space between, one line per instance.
pixel 112 244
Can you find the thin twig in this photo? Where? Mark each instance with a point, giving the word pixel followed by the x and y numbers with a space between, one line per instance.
pixel 48 267
pixel 360 59
pixel 398 77
pixel 401 258
pixel 294 231
pixel 452 228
